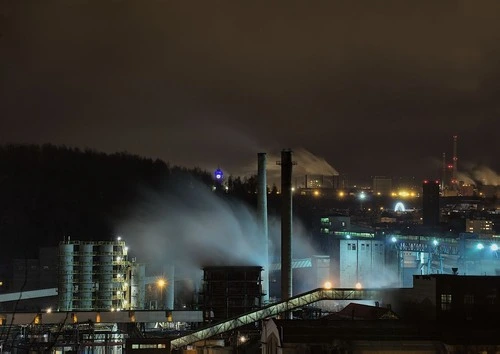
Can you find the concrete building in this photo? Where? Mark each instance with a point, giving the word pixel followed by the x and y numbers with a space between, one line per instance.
pixel 361 263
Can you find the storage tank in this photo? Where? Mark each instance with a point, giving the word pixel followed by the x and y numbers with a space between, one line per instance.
pixel 86 283
pixel 66 276
pixel 104 270
pixel 137 278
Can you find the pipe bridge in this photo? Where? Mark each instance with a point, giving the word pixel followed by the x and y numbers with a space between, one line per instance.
pixel 275 309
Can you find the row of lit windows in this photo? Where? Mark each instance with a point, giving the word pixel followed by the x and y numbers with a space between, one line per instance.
pixel 149 346
pixel 364 246
pixel 468 300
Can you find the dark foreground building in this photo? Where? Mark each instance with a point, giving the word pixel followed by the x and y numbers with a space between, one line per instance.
pixel 230 291
pixel 440 314
pixel 430 203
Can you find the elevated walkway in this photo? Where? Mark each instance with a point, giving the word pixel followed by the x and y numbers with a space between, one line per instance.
pixel 275 309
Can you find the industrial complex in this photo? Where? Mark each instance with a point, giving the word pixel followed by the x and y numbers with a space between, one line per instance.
pixel 406 268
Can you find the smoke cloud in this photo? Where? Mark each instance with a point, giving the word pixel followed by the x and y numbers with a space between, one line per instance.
pixel 306 164
pixel 190 226
pixel 480 175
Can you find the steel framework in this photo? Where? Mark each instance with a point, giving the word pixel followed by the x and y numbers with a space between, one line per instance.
pixel 275 309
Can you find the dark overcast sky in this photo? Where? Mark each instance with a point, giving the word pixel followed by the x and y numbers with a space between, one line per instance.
pixel 373 87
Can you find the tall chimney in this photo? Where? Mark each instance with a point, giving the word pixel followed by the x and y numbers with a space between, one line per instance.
pixel 443 176
pixel 455 162
pixel 286 224
pixel 262 215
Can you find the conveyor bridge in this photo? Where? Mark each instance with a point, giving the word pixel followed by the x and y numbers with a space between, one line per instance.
pixel 275 309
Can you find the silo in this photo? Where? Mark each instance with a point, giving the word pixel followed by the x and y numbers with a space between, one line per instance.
pixel 66 273
pixel 136 291
pixel 105 276
pixel 86 284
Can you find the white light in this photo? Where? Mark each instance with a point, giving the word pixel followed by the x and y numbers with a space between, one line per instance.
pixel 347 236
pixel 358 286
pixel 327 285
pixel 119 238
pixel 125 249
pixel 494 247
pixel 362 195
pixel 435 242
pixel 49 310
pixel 393 239
pixel 480 246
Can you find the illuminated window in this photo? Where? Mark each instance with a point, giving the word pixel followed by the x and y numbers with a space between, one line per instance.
pixel 351 246
pixel 445 302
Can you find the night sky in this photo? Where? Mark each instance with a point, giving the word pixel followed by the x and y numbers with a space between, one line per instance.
pixel 373 87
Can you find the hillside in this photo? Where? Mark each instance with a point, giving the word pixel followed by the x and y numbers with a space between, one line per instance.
pixel 48 192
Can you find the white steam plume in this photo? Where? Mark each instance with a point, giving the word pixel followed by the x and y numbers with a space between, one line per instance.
pixel 479 175
pixel 306 164
pixel 191 227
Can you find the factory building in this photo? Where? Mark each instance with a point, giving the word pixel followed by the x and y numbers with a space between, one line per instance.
pixel 230 291
pixel 98 276
pixel 362 262
pixel 479 226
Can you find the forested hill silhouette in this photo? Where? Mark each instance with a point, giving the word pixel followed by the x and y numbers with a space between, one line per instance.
pixel 48 192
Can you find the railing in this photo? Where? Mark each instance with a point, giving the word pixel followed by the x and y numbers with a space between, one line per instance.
pixel 275 309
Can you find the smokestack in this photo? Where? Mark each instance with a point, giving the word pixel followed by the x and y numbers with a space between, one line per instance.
pixel 455 161
pixel 286 224
pixel 168 300
pixel 262 215
pixel 443 177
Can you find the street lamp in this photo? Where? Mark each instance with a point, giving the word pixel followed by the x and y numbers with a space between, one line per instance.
pixel 161 284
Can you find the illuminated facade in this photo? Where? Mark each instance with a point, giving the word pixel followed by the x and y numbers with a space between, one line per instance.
pixel 97 276
pixel 479 226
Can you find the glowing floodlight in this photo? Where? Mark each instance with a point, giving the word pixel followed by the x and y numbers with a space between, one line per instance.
pixel 435 242
pixel 362 195
pixel 327 285
pixel 494 247
pixel 218 174
pixel 480 246
pixel 358 286
pixel 393 239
